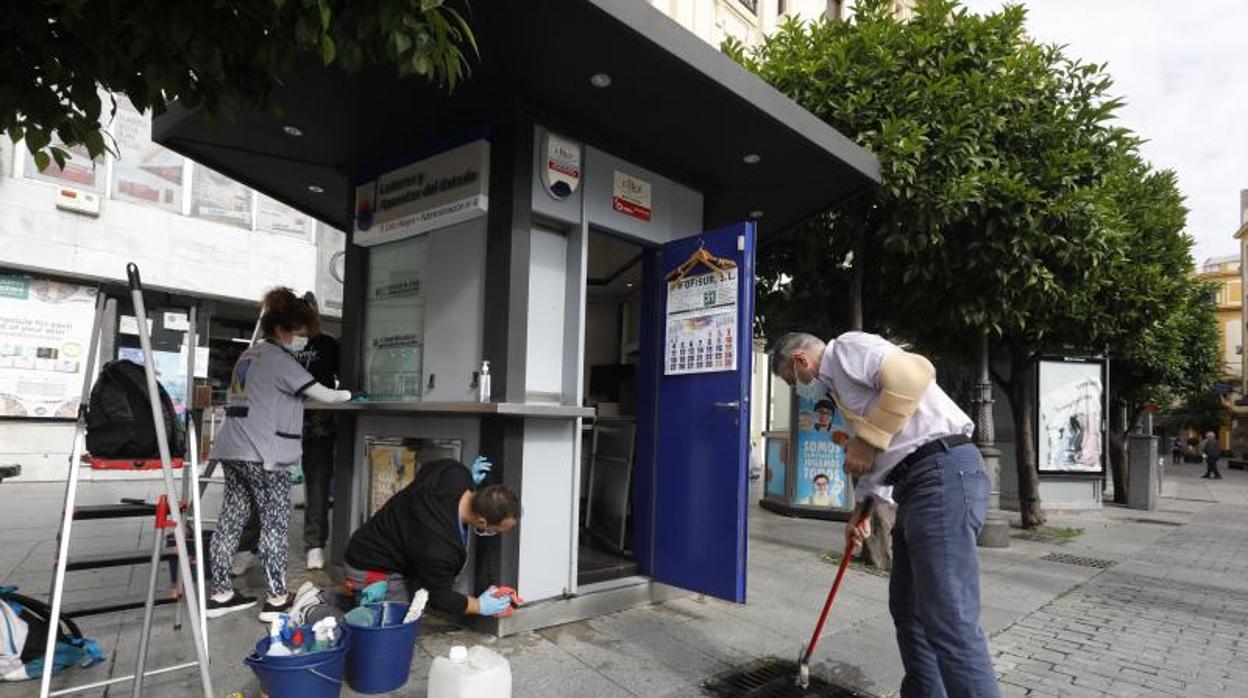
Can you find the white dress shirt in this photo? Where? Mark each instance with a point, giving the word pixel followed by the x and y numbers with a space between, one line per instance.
pixel 850 370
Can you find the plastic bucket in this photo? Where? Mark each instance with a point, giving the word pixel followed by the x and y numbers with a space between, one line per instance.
pixel 312 675
pixel 380 658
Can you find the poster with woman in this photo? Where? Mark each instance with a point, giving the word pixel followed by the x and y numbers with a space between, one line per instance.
pixel 821 481
pixel 1069 430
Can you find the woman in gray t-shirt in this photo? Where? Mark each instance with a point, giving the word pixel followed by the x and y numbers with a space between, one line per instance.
pixel 258 446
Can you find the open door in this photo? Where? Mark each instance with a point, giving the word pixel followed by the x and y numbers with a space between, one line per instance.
pixel 693 415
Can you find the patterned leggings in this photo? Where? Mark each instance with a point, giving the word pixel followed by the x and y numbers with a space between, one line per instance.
pixel 246 485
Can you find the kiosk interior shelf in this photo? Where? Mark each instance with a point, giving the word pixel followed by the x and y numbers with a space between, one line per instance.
pixel 508 409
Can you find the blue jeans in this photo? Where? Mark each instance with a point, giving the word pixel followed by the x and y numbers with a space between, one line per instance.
pixel 934 588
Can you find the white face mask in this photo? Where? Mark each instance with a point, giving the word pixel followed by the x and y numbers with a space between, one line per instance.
pixel 297 343
pixel 813 391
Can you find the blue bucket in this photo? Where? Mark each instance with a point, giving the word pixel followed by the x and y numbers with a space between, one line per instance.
pixel 380 658
pixel 311 675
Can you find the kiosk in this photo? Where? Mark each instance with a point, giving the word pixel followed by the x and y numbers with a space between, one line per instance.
pixel 582 214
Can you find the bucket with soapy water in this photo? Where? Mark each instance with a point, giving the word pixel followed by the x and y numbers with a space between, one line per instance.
pixel 381 655
pixel 309 675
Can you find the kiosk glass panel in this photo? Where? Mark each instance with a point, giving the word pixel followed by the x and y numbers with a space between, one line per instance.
pixel 394 320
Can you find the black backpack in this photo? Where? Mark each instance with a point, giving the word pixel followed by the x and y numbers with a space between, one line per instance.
pixel 119 416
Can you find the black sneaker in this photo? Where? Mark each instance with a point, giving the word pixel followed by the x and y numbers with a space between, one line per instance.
pixel 236 602
pixel 272 611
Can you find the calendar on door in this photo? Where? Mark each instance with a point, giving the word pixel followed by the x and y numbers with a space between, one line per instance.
pixel 702 323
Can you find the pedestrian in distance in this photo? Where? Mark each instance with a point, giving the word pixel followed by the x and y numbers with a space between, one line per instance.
pixel 910 445
pixel 1212 452
pixel 260 443
pixel 1176 451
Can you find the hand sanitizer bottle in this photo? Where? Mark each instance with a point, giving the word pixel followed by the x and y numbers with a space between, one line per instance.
pixel 483 383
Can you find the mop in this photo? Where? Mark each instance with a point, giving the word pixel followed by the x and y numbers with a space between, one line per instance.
pixel 803 663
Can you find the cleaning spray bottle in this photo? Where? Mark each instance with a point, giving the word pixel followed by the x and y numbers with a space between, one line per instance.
pixel 419 599
pixel 277 648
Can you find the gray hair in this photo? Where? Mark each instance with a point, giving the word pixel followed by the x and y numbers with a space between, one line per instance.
pixel 782 350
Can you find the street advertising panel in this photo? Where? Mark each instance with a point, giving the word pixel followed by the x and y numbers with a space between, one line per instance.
pixel 1069 430
pixel 45 328
pixel 821 481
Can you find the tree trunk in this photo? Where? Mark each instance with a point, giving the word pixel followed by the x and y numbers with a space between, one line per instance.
pixel 877 550
pixel 1023 408
pixel 1119 429
pixel 857 271
pixel 1118 451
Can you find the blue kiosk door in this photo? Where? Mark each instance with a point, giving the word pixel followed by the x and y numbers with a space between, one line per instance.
pixel 692 477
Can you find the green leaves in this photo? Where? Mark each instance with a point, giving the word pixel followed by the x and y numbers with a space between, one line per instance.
pixel 225 58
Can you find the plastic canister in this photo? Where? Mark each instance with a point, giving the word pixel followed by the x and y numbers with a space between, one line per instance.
pixel 470 673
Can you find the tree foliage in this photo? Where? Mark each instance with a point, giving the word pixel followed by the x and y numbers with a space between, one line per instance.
pixel 1012 204
pixel 223 57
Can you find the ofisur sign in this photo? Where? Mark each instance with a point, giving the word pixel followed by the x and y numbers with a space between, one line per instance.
pixel 439 191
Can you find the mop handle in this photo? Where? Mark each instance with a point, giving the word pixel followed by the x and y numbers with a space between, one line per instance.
pixel 836 584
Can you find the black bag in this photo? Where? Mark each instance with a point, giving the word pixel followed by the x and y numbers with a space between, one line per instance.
pixel 119 416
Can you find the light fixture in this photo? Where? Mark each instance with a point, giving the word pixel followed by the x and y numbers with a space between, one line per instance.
pixel 756 214
pixel 292 130
pixel 600 80
pixel 316 189
pixel 752 158
pixel 629 284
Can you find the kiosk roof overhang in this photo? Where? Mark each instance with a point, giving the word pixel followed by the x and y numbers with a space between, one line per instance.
pixel 675 105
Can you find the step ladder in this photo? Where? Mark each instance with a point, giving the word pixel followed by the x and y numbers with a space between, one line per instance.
pixel 167 512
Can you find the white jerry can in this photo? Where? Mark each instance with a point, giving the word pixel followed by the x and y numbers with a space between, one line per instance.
pixel 479 672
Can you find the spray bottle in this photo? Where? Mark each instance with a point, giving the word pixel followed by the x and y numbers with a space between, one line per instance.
pixel 419 599
pixel 277 648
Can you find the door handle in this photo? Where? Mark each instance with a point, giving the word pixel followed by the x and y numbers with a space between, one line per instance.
pixel 734 405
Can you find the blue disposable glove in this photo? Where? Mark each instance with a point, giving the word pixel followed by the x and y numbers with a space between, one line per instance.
pixel 374 593
pixel 492 605
pixel 480 469
pixel 361 396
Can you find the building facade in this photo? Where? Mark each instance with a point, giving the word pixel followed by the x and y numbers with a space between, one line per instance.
pixel 199 239
pixel 1225 273
pixel 749 21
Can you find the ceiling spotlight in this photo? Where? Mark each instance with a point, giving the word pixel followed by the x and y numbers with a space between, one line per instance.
pixel 316 189
pixel 292 130
pixel 600 80
pixel 756 214
pixel 752 159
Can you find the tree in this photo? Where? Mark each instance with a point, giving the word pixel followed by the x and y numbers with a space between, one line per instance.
pixel 993 217
pixel 1157 321
pixel 221 57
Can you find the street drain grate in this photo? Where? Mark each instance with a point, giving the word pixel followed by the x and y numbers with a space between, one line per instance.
pixel 772 678
pixel 1158 522
pixel 1080 561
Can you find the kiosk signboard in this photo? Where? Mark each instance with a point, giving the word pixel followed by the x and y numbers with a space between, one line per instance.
pixel 436 192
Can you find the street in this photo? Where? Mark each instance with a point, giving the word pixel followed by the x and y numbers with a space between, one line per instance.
pixel 1167 617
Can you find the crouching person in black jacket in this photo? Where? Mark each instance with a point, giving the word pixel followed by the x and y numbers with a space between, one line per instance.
pixel 420 538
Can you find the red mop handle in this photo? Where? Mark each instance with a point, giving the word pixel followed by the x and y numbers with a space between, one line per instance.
pixel 836 584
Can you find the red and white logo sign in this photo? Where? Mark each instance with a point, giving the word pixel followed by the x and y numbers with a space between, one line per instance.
pixel 562 172
pixel 631 196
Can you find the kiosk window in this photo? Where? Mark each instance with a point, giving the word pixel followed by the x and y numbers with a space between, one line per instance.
pixel 394 321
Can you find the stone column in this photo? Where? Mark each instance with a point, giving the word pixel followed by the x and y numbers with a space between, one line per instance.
pixel 996 531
